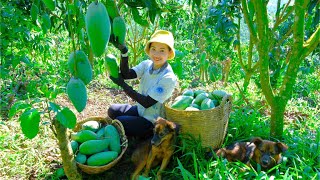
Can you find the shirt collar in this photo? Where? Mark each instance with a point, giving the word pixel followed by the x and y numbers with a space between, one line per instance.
pixel 157 71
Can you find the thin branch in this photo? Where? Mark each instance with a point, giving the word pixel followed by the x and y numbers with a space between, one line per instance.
pixel 311 43
pixel 248 21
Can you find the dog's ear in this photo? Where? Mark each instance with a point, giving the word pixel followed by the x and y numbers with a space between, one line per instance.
pixel 257 141
pixel 173 126
pixel 282 147
pixel 250 147
pixel 221 152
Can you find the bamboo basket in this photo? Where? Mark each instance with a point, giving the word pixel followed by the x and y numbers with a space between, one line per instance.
pixel 123 139
pixel 210 124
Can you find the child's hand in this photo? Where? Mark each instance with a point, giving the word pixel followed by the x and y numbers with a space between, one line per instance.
pixel 122 47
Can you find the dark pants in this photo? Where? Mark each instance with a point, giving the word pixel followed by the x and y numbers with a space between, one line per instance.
pixel 133 124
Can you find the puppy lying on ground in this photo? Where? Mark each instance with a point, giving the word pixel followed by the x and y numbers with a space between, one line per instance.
pixel 264 152
pixel 158 149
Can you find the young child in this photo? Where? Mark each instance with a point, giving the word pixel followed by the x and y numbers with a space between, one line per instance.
pixel 157 83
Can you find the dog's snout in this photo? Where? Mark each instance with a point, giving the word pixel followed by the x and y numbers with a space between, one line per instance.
pixel 265 160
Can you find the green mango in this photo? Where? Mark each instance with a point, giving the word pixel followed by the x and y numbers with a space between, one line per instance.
pixel 111 65
pixel 181 102
pixel 119 29
pixel 188 92
pixel 102 158
pixel 207 104
pixel 98 27
pixel 77 93
pixel 81 158
pixel 74 146
pixel 93 146
pixel 83 69
pixel 200 97
pixel 112 133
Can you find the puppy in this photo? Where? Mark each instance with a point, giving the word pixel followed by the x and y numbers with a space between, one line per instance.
pixel 157 149
pixel 264 152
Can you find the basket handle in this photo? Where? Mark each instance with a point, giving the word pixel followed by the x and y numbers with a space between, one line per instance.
pixel 227 98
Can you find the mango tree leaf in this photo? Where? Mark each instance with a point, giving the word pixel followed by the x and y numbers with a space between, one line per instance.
pixel 29 122
pixel 54 107
pixel 46 20
pixel 34 11
pixel 17 107
pixel 137 18
pixel 67 118
pixel 50 4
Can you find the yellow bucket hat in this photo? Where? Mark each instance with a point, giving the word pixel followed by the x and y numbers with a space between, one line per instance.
pixel 162 36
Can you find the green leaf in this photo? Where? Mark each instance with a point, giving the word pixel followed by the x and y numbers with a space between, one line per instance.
pixel 50 4
pixel 46 21
pixel 17 107
pixel 29 122
pixel 34 11
pixel 67 118
pixel 54 107
pixel 138 19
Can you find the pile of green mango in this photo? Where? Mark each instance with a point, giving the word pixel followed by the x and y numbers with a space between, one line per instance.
pixel 195 100
pixel 96 145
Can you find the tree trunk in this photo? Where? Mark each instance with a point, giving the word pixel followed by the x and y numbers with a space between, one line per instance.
pixel 277 118
pixel 68 161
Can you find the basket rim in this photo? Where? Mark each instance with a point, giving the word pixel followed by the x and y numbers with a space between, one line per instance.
pixel 123 139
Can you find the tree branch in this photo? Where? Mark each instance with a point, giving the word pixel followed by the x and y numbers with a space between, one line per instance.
pixel 311 43
pixel 248 21
pixel 296 57
pixel 263 34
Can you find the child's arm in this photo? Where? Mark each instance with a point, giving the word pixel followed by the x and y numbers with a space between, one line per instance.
pixel 124 68
pixel 145 101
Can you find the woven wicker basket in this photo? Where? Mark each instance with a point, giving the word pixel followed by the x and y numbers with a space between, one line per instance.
pixel 124 144
pixel 210 124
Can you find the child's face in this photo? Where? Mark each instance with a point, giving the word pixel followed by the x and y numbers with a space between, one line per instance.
pixel 159 54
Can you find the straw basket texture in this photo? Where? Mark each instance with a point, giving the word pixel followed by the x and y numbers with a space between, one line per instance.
pixel 124 144
pixel 210 124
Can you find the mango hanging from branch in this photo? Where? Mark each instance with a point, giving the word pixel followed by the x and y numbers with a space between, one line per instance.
pixel 98 27
pixel 111 65
pixel 119 29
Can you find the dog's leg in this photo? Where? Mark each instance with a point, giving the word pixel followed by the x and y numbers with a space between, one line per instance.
pixel 164 164
pixel 149 163
pixel 138 170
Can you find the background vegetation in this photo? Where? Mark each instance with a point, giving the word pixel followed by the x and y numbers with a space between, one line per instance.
pixel 250 63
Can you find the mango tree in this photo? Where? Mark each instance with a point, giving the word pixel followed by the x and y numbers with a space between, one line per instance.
pixel 56 16
pixel 290 39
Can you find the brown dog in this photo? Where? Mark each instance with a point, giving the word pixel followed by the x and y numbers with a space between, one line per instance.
pixel 264 152
pixel 158 149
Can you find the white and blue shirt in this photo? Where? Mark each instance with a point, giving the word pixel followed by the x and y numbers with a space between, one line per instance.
pixel 158 84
